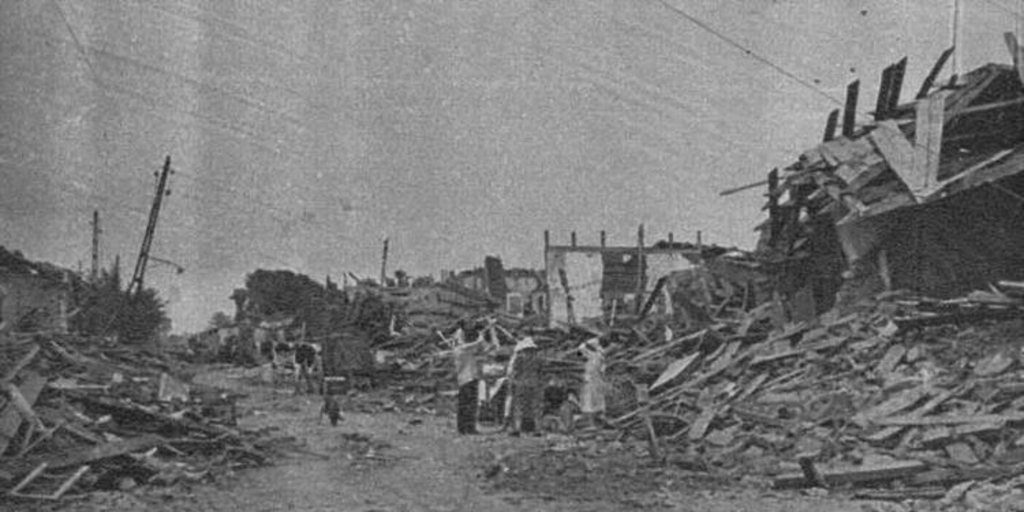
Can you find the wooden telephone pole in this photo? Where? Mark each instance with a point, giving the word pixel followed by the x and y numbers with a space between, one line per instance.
pixel 384 266
pixel 94 273
pixel 147 240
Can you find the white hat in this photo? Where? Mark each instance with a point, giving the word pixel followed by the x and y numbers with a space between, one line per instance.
pixel 591 344
pixel 525 343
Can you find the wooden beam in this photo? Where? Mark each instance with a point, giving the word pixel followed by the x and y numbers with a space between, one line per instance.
pixel 10 416
pixel 930 117
pixel 741 188
pixel 852 475
pixel 830 125
pixel 773 204
pixel 1016 53
pixel 900 155
pixel 929 81
pixel 896 87
pixel 882 103
pixel 850 109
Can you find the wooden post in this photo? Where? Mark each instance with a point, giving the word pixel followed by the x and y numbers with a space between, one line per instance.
pixel 850 110
pixel 94 272
pixel 773 205
pixel 830 125
pixel 670 239
pixel 897 85
pixel 643 399
pixel 640 267
pixel 882 104
pixel 384 265
pixel 573 238
pixel 602 239
pixel 929 81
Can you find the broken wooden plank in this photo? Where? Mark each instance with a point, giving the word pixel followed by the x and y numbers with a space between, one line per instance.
pixel 853 475
pixel 86 455
pixel 850 108
pixel 892 357
pixel 911 420
pixel 926 85
pixel 882 103
pixel 899 402
pixel 898 72
pixel 830 125
pixel 900 155
pixel 11 416
pixel 825 344
pixel 677 367
pixel 701 424
pixel 1016 53
pixel 961 453
pixel 21 364
pixel 930 118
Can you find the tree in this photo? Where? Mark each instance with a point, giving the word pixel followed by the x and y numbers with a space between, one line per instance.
pixel 107 310
pixel 283 292
pixel 220 319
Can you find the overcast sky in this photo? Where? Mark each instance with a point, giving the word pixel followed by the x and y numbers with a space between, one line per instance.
pixel 305 132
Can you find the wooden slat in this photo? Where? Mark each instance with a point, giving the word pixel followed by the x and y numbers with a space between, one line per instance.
pixel 850 110
pixel 830 125
pixel 10 417
pixel 897 85
pixel 926 86
pixel 882 102
pixel 928 138
pixel 899 154
pixel 1016 53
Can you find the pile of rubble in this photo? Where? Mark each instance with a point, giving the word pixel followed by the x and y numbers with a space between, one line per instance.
pixel 902 397
pixel 81 414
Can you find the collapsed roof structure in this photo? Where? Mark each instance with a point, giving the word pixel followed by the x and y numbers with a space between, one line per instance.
pixel 927 196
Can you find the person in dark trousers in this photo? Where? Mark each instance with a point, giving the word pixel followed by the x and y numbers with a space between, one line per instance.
pixel 527 387
pixel 305 358
pixel 331 409
pixel 468 359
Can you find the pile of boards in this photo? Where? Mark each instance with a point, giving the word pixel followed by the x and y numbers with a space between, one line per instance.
pixel 900 398
pixel 82 414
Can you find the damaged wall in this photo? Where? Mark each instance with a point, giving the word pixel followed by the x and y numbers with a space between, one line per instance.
pixel 583 280
pixel 30 302
pixel 958 244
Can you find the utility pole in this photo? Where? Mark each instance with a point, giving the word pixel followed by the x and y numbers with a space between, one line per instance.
pixel 94 274
pixel 147 240
pixel 957 36
pixel 384 265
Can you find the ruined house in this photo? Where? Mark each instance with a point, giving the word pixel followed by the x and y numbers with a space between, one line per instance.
pixel 33 296
pixel 518 291
pixel 927 196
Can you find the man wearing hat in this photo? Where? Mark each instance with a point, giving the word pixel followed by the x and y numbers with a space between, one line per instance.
pixel 592 403
pixel 468 361
pixel 527 387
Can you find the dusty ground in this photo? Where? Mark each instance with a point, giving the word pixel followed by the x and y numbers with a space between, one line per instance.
pixel 401 461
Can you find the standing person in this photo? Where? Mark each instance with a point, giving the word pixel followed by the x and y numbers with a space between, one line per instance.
pixel 527 387
pixel 592 402
pixel 468 359
pixel 305 357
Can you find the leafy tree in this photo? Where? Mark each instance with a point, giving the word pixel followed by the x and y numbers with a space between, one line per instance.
pixel 283 292
pixel 106 309
pixel 220 319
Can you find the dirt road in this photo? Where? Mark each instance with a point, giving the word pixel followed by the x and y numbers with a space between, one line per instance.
pixel 395 461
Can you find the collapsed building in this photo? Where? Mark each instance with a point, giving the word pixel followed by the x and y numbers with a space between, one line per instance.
pixel 587 283
pixel 927 196
pixel 33 295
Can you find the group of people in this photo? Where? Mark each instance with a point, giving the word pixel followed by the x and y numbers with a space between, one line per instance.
pixel 303 358
pixel 524 402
